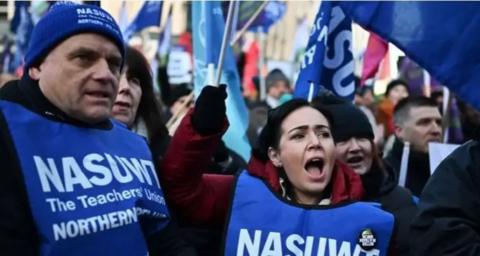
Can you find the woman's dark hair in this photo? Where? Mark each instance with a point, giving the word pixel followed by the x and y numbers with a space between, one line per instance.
pixel 271 132
pixel 372 180
pixel 149 109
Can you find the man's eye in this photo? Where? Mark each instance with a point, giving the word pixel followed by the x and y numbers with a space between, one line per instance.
pixel 83 57
pixel 115 67
pixel 423 122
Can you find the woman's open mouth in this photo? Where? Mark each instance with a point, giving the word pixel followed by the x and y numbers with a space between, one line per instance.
pixel 314 167
pixel 355 160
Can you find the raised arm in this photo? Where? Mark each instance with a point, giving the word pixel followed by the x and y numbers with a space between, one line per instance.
pixel 197 197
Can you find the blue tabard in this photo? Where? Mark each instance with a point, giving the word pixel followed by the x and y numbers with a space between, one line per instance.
pixel 261 223
pixel 91 191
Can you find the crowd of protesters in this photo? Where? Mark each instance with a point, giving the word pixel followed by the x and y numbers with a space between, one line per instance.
pixel 90 167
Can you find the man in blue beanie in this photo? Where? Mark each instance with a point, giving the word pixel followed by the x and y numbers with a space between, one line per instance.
pixel 73 181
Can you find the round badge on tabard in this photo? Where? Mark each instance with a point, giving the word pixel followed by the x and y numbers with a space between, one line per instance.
pixel 367 239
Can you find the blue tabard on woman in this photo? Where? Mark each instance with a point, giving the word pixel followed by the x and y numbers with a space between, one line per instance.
pixel 261 223
pixel 91 191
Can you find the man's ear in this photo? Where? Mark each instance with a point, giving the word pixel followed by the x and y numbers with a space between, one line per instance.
pixel 274 156
pixel 34 73
pixel 398 131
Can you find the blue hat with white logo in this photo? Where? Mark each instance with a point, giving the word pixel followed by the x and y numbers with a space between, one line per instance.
pixel 65 19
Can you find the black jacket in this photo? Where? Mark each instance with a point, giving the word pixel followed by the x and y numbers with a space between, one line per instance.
pixel 381 186
pixel 418 171
pixel 448 222
pixel 18 234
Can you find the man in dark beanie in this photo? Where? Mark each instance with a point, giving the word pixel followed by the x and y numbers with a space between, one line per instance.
pixel 353 136
pixel 73 181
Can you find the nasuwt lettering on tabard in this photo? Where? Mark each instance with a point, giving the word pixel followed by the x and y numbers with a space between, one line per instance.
pixel 94 169
pixel 275 243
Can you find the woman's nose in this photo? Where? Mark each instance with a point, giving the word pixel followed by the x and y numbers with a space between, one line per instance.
pixel 314 140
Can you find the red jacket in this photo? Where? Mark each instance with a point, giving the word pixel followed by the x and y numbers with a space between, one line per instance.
pixel 203 199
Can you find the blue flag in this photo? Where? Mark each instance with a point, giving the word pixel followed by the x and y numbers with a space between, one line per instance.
pixel 441 37
pixel 165 38
pixel 271 13
pixel 328 60
pixel 6 56
pixel 149 15
pixel 208 26
pixel 22 26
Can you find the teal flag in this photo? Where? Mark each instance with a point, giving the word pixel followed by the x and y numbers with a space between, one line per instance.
pixel 208 25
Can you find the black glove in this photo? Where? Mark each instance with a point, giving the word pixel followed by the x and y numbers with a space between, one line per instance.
pixel 209 114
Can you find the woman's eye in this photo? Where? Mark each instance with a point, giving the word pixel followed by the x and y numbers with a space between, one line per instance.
pixel 362 139
pixel 325 134
pixel 297 136
pixel 134 80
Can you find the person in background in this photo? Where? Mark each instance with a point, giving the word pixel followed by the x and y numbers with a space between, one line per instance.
pixel 470 119
pixel 365 101
pixel 74 182
pixel 135 103
pixel 364 97
pixel 6 77
pixel 277 85
pixel 176 100
pixel 449 217
pixel 292 173
pixel 354 145
pixel 417 121
pixel 437 96
pixel 257 114
pixel 396 90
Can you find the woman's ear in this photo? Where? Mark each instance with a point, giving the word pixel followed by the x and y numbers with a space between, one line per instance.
pixel 274 156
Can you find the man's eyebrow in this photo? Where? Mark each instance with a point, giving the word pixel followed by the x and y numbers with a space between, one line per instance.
pixel 82 49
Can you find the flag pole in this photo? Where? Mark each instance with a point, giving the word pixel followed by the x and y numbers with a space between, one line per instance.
pixel 210 71
pixel 248 23
pixel 226 33
pixel 427 80
pixel 447 102
pixel 402 179
pixel 310 91
pixel 261 64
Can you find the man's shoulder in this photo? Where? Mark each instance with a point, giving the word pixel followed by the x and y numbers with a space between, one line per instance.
pixel 393 160
pixel 122 128
pixel 465 155
pixel 11 92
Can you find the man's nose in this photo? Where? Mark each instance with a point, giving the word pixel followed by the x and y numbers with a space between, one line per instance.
pixel 103 71
pixel 436 127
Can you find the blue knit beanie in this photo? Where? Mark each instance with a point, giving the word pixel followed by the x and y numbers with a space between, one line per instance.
pixel 65 19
